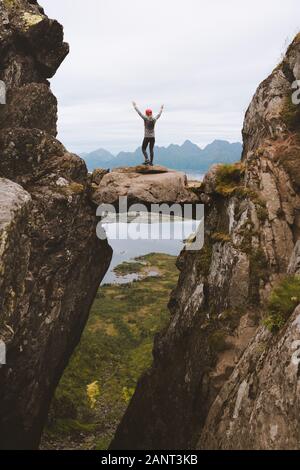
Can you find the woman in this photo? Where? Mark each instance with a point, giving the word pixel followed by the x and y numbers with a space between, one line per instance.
pixel 149 138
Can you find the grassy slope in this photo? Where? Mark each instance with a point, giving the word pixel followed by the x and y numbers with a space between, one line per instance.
pixel 115 349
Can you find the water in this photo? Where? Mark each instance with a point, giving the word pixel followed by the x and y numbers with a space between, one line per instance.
pixel 127 249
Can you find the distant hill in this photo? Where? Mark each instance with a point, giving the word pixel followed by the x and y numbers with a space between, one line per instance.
pixel 187 156
pixel 98 158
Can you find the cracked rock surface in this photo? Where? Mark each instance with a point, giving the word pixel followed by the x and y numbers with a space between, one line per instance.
pixel 51 262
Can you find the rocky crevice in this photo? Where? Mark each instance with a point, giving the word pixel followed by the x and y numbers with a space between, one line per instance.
pixel 221 380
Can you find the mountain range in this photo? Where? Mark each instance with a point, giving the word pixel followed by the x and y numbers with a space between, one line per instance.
pixel 187 156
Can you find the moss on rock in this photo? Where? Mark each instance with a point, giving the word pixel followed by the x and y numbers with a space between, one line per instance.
pixel 284 298
pixel 229 178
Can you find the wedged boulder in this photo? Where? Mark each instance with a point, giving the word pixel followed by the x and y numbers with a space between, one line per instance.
pixel 144 185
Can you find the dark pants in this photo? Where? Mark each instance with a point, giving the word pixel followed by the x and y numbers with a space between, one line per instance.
pixel 151 142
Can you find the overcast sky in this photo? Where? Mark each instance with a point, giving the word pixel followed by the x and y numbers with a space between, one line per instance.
pixel 202 59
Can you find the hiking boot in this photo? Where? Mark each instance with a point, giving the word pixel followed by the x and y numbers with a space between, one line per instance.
pixel 146 162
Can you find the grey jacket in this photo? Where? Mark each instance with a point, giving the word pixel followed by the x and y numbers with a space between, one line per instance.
pixel 149 122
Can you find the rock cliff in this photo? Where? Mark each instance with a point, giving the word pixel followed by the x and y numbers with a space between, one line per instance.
pixel 51 262
pixel 226 370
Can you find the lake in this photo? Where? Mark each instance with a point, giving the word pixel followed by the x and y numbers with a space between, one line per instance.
pixel 126 249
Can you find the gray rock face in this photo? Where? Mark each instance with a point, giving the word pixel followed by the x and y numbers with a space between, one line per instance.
pixel 15 205
pixel 51 262
pixel 219 379
pixel 258 408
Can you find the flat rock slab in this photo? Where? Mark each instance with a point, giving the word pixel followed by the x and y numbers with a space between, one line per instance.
pixel 144 185
pixel 143 169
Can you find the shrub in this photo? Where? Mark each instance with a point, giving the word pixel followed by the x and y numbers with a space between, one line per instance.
pixel 93 393
pixel 274 322
pixel 133 267
pixel 282 303
pixel 228 178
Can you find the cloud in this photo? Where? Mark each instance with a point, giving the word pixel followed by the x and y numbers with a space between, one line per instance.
pixel 203 60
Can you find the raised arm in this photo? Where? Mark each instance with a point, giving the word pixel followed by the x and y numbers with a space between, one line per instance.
pixel 138 111
pixel 160 113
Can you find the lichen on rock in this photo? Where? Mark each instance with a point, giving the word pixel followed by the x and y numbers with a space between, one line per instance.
pixel 31 20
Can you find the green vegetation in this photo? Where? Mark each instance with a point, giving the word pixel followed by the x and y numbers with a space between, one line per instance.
pixel 115 349
pixel 129 268
pixel 229 183
pixel 229 178
pixel 283 301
